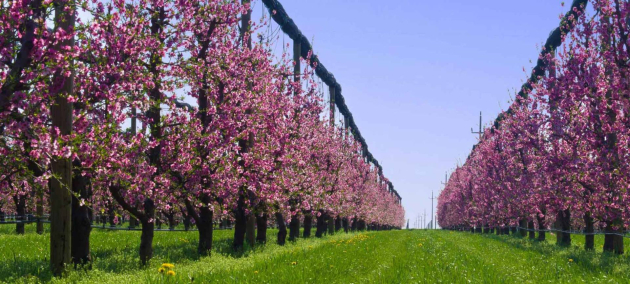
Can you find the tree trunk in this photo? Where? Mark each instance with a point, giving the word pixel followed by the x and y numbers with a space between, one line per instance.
pixel 20 209
pixel 337 224
pixel 240 223
pixel 589 242
pixel 261 223
pixel 565 225
pixel 146 238
pixel 331 224
pixel 541 228
pixel 111 215
pixel 321 224
pixel 186 221
pixel 308 223
pixel 81 222
pixel 522 225
pixel 282 229
pixel 171 220
pixel 345 224
pixel 532 230
pixel 354 226
pixel 361 225
pixel 294 228
pixel 204 226
pixel 613 241
pixel 133 222
pixel 250 230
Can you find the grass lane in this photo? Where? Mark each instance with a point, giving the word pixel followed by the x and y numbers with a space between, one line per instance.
pixel 372 257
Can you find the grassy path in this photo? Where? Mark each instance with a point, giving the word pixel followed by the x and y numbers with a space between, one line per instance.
pixel 373 257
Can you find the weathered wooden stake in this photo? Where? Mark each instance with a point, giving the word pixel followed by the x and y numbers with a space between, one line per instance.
pixel 61 184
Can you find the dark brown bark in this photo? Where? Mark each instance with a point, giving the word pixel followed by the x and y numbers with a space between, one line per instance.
pixel 20 206
pixel 345 224
pixel 203 222
pixel 321 224
pixel 564 237
pixel 240 223
pixel 261 223
pixel 541 228
pixel 250 230
pixel 337 224
pixel 186 222
pixel 133 222
pixel 522 225
pixel 613 241
pixel 81 222
pixel 330 222
pixel 589 242
pixel 111 215
pixel 204 226
pixel 282 229
pixel 170 218
pixel 361 225
pixel 146 237
pixel 294 228
pixel 308 224
pixel 532 230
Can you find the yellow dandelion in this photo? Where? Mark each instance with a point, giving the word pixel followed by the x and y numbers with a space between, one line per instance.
pixel 256 272
pixel 294 263
pixel 171 273
pixel 570 260
pixel 161 270
pixel 168 265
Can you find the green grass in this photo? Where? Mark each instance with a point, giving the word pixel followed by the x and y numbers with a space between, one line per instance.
pixel 372 257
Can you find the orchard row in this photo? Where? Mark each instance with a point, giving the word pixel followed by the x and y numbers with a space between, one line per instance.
pixel 560 157
pixel 94 119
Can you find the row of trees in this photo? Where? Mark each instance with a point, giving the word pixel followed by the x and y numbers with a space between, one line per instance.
pixel 559 158
pixel 92 118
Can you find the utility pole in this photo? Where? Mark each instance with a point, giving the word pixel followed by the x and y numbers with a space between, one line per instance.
pixel 424 219
pixel 478 132
pixel 444 183
pixel 432 220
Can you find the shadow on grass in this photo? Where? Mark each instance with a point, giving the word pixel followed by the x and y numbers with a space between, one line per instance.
pixel 20 269
pixel 593 261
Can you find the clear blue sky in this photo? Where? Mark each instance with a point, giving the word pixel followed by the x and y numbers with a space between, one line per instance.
pixel 415 74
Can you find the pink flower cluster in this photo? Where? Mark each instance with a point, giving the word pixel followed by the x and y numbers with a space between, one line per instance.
pixel 562 147
pixel 253 139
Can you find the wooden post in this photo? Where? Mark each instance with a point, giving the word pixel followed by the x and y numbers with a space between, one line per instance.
pixel 297 49
pixel 332 105
pixel 61 184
